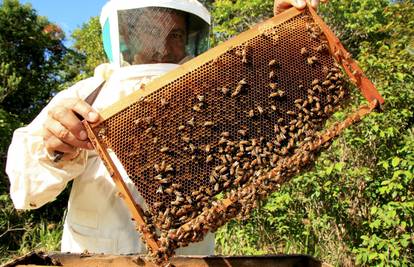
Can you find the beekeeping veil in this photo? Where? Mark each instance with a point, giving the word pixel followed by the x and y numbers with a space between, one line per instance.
pixel 154 31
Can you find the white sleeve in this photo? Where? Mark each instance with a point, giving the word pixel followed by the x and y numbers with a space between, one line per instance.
pixel 34 178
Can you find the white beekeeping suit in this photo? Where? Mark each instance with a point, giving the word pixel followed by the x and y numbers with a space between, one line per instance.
pixel 97 219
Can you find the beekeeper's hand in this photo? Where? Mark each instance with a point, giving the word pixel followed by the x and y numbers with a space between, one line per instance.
pixel 64 131
pixel 282 5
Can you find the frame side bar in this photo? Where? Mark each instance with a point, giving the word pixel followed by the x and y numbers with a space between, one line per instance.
pixel 136 211
pixel 356 75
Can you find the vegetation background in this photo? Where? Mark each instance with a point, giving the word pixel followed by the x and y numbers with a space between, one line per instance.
pixel 355 207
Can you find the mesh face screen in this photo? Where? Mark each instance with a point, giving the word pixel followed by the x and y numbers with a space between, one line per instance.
pixel 150 35
pixel 215 127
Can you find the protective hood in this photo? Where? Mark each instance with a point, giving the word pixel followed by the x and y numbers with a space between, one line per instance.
pixel 154 31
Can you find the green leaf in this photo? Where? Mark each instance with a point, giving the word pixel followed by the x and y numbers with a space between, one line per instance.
pixel 395 161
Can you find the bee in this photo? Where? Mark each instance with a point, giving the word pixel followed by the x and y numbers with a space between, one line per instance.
pixel 315 82
pixel 242 132
pixel 164 102
pixel 332 87
pixel 329 98
pixel 159 190
pixel 201 98
pixel 242 82
pixel 317 106
pixel 192 147
pixel 164 181
pixel 251 113
pixel 244 54
pixel 273 63
pixel 280 120
pixel 189 199
pixel 273 107
pixel 158 177
pixel 208 124
pixel 244 142
pixel 289 112
pixel 322 48
pixel 260 109
pixel 216 187
pixel 326 83
pixel 208 148
pixel 223 170
pixel 237 91
pixel 275 94
pixel 318 88
pixel 254 142
pixel 229 158
pixel 149 130
pixel 148 120
pixel 181 127
pixel 249 148
pixel 334 79
pixel 177 187
pixel 164 149
pixel 157 168
pixel 239 88
pixel 191 122
pixel 186 139
pixel 240 154
pixel 281 93
pixel 341 95
pixel 225 90
pixel 162 166
pixel 328 109
pixel 272 75
pixel 312 60
pixel 304 51
pixel 299 124
pixel 221 142
pixel 223 159
pixel 225 134
pixel 273 86
pixel 197 108
pixel 305 110
pixel 157 205
pixel 329 75
pixel 212 179
pixel 138 121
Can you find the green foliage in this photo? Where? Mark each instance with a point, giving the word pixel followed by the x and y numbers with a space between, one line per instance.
pixel 88 43
pixel 30 52
pixel 9 81
pixel 22 232
pixel 232 17
pixel 356 21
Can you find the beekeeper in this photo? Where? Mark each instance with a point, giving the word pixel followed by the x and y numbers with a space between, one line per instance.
pixel 142 39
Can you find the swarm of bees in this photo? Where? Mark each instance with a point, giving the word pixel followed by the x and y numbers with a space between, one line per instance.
pixel 270 137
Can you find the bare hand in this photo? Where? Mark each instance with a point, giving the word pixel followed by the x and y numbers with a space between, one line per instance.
pixel 282 5
pixel 64 132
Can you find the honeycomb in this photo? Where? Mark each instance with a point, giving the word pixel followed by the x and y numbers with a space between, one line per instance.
pixel 225 117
